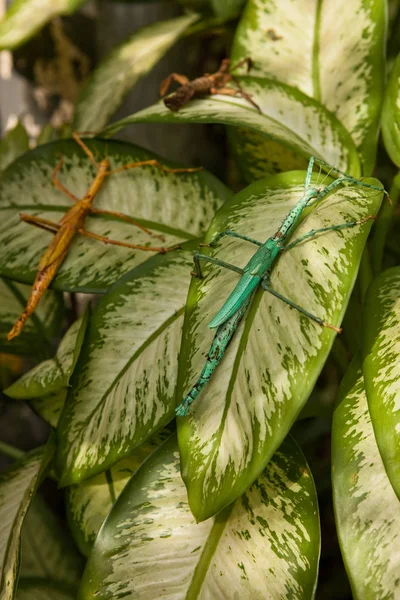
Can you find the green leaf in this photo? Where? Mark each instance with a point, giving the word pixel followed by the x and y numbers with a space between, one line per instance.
pixel 42 589
pixel 50 407
pixel 381 349
pixel 17 487
pixel 123 388
pixel 123 68
pixel 89 503
pixel 288 117
pixel 227 9
pixel 274 359
pixel 293 44
pixel 14 143
pixel 176 205
pixel 47 551
pixel 391 114
pixel 25 17
pixel 53 374
pixel 151 547
pixel 38 330
pixel 367 510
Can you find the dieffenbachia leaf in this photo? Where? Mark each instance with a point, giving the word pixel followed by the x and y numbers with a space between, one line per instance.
pixel 50 407
pixel 17 487
pixel 47 551
pixel 391 114
pixel 227 9
pixel 38 330
pixel 42 589
pixel 381 367
pixel 123 68
pixel 366 508
pixel 89 503
pixel 14 143
pixel 287 116
pixel 123 388
pixel 52 375
pixel 267 542
pixel 276 355
pixel 178 206
pixel 25 17
pixel 292 43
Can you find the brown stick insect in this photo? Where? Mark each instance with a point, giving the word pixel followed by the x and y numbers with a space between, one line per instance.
pixel 73 222
pixel 215 83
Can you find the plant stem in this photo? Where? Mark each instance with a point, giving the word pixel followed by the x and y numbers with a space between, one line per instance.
pixel 10 451
pixel 383 225
pixel 366 274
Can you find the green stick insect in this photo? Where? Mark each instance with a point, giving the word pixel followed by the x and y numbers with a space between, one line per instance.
pixel 258 271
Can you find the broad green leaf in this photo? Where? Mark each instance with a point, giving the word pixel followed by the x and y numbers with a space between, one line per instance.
pixel 123 388
pixel 292 43
pixel 42 589
pixel 287 116
pixel 47 551
pixel 89 503
pixel 381 367
pixel 123 68
pixel 274 359
pixel 14 143
pixel 53 374
pixel 38 330
pixel 17 487
pixel 176 205
pixel 25 17
pixel 391 114
pixel 266 543
pixel 50 407
pixel 367 510
pixel 227 9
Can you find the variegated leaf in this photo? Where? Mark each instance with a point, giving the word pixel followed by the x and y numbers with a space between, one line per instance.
pixel 123 389
pixel 287 116
pixel 42 589
pixel 381 367
pixel 176 205
pixel 88 503
pixel 14 143
pixel 25 17
pixel 39 329
pixel 53 374
pixel 47 551
pixel 366 508
pixel 123 68
pixel 50 407
pixel 342 67
pixel 391 114
pixel 264 545
pixel 276 355
pixel 17 487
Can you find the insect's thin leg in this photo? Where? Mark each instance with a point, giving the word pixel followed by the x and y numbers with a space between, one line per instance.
pixel 39 222
pixel 98 211
pixel 57 183
pixel 314 232
pixel 154 163
pixel 305 312
pixel 197 257
pixel 231 234
pixel 181 79
pixel 339 182
pixel 245 61
pixel 107 240
pixel 245 95
pixel 85 148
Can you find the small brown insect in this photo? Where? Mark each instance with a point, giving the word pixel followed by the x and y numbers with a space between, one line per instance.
pixel 73 222
pixel 214 83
